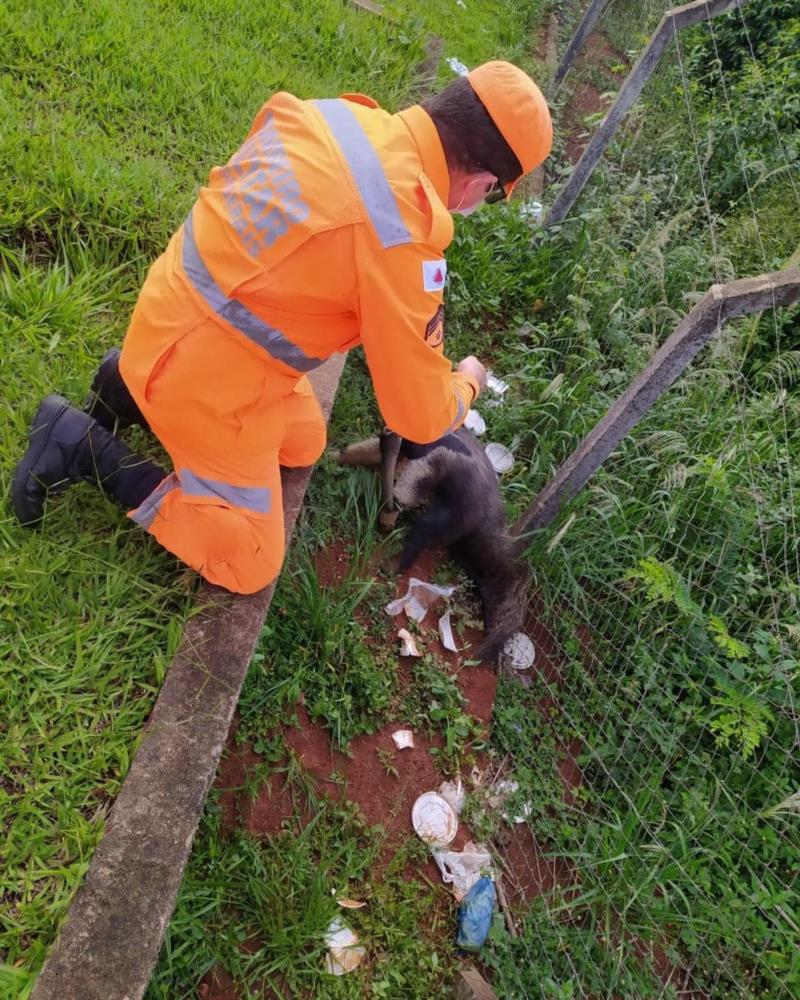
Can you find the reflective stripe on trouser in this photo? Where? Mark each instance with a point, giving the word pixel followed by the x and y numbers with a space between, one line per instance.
pixel 233 535
pixel 228 421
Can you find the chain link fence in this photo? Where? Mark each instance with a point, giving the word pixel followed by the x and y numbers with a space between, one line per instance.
pixel 656 749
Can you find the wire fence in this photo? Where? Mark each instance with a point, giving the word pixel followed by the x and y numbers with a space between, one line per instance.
pixel 657 749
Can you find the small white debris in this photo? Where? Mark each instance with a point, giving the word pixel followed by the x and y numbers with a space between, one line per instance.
pixel 457 66
pixel 502 791
pixel 344 951
pixel 502 458
pixel 351 904
pixel 518 652
pixel 453 793
pixel 475 422
pixel 403 739
pixel 409 645
pixel 460 3
pixel 495 384
pixel 418 598
pixel 531 211
pixel 446 633
pixel 434 820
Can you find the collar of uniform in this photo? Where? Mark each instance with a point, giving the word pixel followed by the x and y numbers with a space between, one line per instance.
pixel 421 127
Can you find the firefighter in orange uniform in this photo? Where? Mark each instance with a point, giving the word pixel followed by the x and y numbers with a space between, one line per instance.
pixel 326 230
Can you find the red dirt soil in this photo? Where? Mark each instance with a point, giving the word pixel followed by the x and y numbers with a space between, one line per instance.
pixel 361 776
pixel 597 56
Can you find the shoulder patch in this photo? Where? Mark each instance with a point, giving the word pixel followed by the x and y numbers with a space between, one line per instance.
pixel 434 331
pixel 434 273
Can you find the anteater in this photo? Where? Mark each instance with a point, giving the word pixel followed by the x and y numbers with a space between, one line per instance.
pixel 453 479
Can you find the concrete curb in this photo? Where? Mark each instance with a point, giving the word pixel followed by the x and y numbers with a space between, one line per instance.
pixel 470 985
pixel 110 942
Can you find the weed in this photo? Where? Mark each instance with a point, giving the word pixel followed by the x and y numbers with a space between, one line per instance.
pixel 434 704
pixel 387 758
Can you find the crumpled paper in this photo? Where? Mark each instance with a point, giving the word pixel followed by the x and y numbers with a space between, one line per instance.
pixel 418 598
pixel 344 951
pixel 409 644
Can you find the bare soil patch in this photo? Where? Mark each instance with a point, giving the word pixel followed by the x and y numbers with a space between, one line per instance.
pixel 592 65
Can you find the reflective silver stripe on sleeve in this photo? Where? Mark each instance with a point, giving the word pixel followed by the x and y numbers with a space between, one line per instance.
pixel 146 512
pixel 255 498
pixel 239 316
pixel 367 171
pixel 460 414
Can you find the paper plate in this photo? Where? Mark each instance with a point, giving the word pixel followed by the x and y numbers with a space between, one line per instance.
pixel 518 652
pixel 434 820
pixel 502 458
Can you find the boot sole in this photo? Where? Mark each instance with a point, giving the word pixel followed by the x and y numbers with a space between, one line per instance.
pixel 31 457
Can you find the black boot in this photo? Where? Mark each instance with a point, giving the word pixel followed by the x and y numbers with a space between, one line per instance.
pixel 67 446
pixel 109 401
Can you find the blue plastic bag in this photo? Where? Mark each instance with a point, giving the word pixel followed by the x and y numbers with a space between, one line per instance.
pixel 475 915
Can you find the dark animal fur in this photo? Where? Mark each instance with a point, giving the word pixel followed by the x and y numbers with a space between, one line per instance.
pixel 455 482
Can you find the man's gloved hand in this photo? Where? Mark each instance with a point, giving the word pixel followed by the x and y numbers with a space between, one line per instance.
pixel 471 366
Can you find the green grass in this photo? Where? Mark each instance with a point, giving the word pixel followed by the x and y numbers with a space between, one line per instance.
pixel 113 116
pixel 279 894
pixel 678 560
pixel 670 584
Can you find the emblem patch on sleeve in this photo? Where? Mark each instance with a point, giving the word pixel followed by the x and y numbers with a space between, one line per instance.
pixel 433 274
pixel 434 331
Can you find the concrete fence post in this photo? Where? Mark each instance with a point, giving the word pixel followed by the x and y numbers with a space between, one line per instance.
pixel 671 22
pixel 720 304
pixel 578 40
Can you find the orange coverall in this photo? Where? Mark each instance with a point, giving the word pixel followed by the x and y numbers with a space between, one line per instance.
pixel 325 230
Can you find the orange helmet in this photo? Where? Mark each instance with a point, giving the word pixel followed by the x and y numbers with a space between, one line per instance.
pixel 518 109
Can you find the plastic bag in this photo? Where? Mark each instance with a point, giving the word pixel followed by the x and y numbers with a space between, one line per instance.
pixel 475 915
pixel 463 869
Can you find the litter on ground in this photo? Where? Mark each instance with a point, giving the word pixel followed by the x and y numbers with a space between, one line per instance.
pixel 531 211
pixel 475 423
pixel 502 458
pixel 446 633
pixel 462 869
pixel 408 643
pixel 434 820
pixel 351 904
pixel 518 652
pixel 453 793
pixel 344 951
pixel 457 66
pixel 475 915
pixel 495 384
pixel 403 739
pixel 418 598
pixel 501 792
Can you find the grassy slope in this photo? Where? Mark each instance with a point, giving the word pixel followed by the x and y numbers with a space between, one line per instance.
pixel 113 114
pixel 679 559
